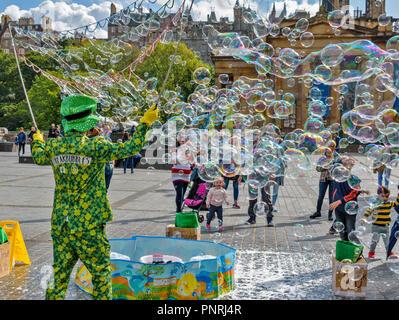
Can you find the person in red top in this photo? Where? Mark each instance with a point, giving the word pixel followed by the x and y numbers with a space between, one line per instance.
pixel 181 171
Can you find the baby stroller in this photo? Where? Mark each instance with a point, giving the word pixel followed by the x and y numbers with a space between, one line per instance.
pixel 196 198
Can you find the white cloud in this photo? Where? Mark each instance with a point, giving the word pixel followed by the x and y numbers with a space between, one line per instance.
pixel 224 8
pixel 65 15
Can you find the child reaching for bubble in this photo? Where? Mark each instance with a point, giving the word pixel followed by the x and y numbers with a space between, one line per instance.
pixel 342 194
pixel 214 202
pixel 380 226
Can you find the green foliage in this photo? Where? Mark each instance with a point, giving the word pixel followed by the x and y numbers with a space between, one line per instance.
pixel 44 94
pixel 157 64
pixel 14 112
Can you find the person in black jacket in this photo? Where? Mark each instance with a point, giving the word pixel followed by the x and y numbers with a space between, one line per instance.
pixel 21 141
pixel 31 133
pixel 342 194
pixel 52 133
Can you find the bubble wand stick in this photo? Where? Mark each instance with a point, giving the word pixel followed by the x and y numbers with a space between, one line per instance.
pixel 22 79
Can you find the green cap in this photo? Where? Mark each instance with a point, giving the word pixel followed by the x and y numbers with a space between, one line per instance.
pixel 77 112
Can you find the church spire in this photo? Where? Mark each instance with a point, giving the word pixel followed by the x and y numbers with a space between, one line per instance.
pixel 284 12
pixel 237 5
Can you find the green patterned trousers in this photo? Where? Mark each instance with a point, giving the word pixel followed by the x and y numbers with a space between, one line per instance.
pixel 93 249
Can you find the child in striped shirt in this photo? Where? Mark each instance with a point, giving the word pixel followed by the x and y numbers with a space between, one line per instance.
pixel 383 218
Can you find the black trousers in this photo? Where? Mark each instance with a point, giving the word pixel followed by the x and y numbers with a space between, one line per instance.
pixel 268 211
pixel 348 220
pixel 180 187
pixel 21 146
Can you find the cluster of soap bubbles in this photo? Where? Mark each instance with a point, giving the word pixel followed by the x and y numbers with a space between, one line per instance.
pixel 104 69
pixel 231 128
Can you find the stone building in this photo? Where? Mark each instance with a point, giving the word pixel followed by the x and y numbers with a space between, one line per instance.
pixel 192 36
pixel 27 24
pixel 363 26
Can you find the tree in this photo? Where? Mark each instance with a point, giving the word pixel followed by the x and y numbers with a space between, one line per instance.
pixel 44 97
pixel 148 270
pixel 157 64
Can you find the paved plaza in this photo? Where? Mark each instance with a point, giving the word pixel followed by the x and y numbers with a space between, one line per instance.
pixel 272 262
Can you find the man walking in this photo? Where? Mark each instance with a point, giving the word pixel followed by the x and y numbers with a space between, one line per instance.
pixel 81 207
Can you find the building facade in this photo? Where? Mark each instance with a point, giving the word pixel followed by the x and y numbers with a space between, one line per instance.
pixel 362 27
pixel 27 24
pixel 192 37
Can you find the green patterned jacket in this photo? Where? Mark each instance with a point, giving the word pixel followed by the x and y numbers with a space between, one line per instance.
pixel 78 164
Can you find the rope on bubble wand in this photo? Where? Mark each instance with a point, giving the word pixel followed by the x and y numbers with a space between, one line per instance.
pixel 22 79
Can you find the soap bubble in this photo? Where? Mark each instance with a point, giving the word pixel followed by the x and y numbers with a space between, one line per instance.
pixel 343 143
pixel 307 39
pixel 260 208
pixel 336 18
pixel 302 25
pixel 353 236
pixel 224 78
pixel 299 230
pixel 202 76
pixel 338 226
pixel 384 20
pixel 352 208
pixel 332 55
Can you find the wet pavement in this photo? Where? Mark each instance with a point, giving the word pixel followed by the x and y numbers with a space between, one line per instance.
pixel 277 262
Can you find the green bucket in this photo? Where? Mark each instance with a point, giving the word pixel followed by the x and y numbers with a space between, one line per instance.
pixel 3 236
pixel 186 220
pixel 347 250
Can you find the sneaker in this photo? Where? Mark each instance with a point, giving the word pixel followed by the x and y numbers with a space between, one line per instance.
pixel 332 231
pixel 371 255
pixel 315 215
pixel 393 256
pixel 250 221
pixel 236 206
pixel 220 228
pixel 208 226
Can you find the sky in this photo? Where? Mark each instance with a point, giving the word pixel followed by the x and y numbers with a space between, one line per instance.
pixel 70 14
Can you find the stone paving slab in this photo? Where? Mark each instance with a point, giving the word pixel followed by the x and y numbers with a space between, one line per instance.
pixel 272 262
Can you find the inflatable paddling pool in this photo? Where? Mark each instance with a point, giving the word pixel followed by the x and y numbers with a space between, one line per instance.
pixel 160 268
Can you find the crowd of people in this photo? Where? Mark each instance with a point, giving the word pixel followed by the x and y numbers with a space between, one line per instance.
pixel 81 145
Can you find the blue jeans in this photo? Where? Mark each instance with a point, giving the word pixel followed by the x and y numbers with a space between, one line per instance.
pixel 387 173
pixel 322 192
pixel 125 164
pixel 180 188
pixel 108 174
pixel 275 193
pixel 235 187
pixel 219 212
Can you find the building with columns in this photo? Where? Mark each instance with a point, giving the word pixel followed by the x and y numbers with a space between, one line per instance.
pixel 364 26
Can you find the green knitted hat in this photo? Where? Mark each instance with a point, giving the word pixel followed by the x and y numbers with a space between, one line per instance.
pixel 77 112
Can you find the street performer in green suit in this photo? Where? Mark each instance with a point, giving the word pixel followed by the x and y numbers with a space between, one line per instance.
pixel 81 207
